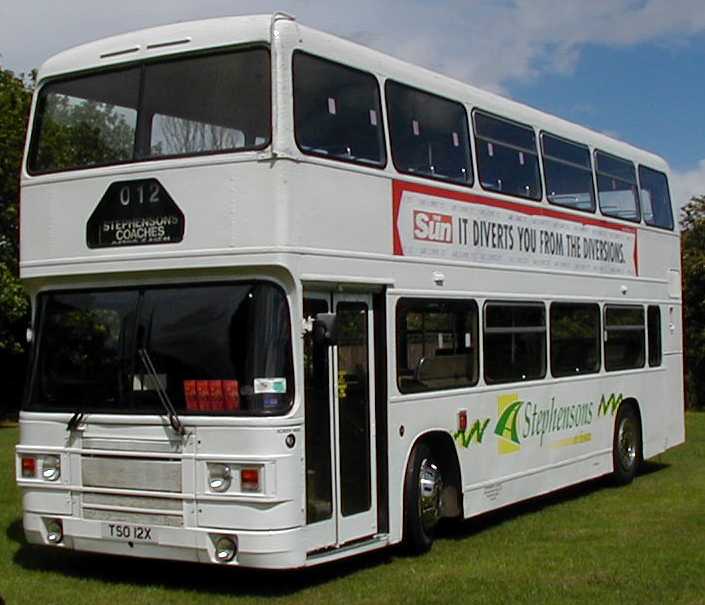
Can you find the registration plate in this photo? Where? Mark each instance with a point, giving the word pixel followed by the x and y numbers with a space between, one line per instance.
pixel 126 532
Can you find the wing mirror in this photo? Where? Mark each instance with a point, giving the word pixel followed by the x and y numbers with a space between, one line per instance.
pixel 325 329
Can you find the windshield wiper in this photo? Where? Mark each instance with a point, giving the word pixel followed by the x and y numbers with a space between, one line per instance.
pixel 174 420
pixel 75 420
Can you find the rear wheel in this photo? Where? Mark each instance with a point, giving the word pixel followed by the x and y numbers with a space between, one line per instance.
pixel 626 445
pixel 423 487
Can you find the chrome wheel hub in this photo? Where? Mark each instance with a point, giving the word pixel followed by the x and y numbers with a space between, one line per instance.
pixel 430 488
pixel 626 443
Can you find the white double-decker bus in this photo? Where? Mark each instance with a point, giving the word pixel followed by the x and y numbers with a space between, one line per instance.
pixel 294 299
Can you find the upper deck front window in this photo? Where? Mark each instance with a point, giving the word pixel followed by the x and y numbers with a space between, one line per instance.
pixel 184 106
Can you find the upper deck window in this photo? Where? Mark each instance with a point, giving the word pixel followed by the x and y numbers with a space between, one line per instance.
pixel 86 121
pixel 337 111
pixel 188 106
pixel 655 198
pixel 568 173
pixel 429 134
pixel 507 161
pixel 616 186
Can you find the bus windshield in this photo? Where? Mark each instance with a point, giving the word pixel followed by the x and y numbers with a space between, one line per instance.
pixel 216 349
pixel 182 106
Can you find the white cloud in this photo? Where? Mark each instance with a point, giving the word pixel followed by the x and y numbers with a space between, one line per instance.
pixel 688 183
pixel 486 42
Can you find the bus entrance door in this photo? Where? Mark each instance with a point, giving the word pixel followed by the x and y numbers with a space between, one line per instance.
pixel 341 494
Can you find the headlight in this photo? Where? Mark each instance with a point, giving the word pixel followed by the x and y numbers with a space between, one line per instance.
pixel 225 549
pixel 219 477
pixel 55 531
pixel 51 468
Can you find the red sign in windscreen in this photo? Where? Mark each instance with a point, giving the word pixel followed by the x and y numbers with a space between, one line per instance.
pixel 212 395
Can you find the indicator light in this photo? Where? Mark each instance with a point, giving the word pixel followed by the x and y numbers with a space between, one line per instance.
pixel 249 480
pixel 29 468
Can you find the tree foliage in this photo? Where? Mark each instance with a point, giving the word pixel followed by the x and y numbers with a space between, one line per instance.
pixel 15 97
pixel 693 242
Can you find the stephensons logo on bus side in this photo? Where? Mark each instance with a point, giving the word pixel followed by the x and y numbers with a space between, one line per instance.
pixel 520 420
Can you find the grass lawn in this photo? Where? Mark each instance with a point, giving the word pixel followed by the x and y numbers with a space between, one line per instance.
pixel 644 543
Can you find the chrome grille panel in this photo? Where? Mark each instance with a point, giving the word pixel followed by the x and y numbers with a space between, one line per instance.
pixel 134 445
pixel 152 519
pixel 131 473
pixel 91 500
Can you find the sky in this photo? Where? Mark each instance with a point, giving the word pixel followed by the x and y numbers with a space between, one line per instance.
pixel 634 69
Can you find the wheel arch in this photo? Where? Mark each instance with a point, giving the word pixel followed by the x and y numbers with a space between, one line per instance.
pixel 633 403
pixel 443 448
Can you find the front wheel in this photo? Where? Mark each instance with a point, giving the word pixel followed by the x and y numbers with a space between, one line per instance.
pixel 423 486
pixel 626 445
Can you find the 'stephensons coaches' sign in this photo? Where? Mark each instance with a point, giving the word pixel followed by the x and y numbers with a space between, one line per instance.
pixel 437 223
pixel 135 213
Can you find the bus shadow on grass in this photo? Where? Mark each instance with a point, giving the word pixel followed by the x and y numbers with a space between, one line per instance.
pixel 214 579
pixel 483 522
pixel 176 575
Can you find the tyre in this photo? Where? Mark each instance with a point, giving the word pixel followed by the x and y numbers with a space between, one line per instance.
pixel 626 445
pixel 423 485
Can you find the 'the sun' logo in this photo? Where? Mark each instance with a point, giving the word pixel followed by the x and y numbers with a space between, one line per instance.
pixel 433 227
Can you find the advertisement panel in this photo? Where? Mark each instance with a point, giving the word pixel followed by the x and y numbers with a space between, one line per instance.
pixel 435 223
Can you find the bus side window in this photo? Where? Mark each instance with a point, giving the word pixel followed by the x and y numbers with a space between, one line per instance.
pixel 575 339
pixel 429 134
pixel 616 187
pixel 624 337
pixel 436 344
pixel 568 173
pixel 337 111
pixel 655 198
pixel 507 160
pixel 654 333
pixel 514 346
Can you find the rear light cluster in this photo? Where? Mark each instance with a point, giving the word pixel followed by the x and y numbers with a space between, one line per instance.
pixel 47 468
pixel 221 476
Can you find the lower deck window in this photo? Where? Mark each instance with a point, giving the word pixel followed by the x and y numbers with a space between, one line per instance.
pixel 624 337
pixel 436 345
pixel 514 341
pixel 654 325
pixel 575 339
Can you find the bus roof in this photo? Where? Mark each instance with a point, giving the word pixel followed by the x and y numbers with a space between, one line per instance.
pixel 199 35
pixel 158 41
